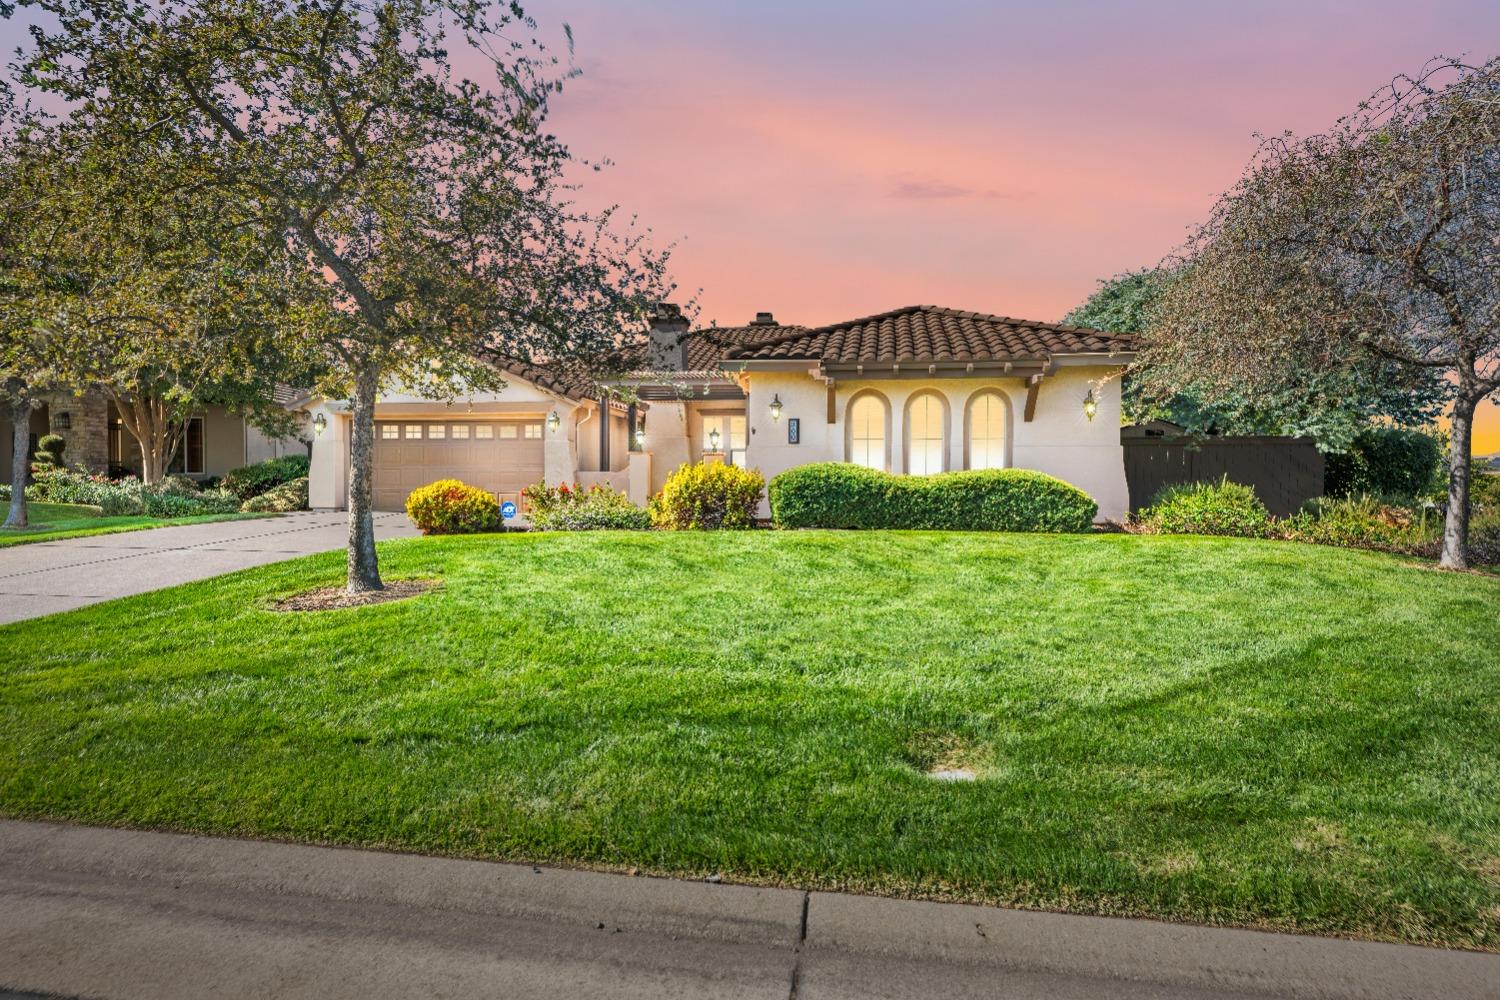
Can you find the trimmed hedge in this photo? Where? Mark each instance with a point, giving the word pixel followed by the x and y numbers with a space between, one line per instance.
pixel 839 495
pixel 252 480
pixel 451 507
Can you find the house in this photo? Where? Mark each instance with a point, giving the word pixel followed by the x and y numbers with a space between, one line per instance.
pixel 215 440
pixel 918 390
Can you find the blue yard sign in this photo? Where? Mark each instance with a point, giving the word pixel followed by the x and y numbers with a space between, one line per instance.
pixel 508 509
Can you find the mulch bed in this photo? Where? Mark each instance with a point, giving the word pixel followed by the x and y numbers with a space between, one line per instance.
pixel 332 598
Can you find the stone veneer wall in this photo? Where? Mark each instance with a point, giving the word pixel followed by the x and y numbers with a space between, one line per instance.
pixel 88 437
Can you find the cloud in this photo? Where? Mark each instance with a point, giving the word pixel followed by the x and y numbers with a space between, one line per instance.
pixel 910 189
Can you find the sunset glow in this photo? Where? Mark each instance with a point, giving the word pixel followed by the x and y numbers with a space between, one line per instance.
pixel 832 159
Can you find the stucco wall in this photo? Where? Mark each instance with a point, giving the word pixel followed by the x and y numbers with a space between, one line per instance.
pixel 1060 441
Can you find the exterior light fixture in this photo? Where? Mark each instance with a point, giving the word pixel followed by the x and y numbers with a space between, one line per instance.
pixel 320 424
pixel 713 439
pixel 640 437
pixel 553 421
pixel 776 407
pixel 1090 404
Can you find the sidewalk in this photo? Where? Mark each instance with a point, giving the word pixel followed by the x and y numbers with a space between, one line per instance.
pixel 124 914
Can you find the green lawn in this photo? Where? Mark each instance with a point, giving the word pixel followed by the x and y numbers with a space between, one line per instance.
pixel 52 521
pixel 1213 730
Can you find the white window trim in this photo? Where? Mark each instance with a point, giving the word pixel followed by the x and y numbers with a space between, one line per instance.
pixel 885 405
pixel 1008 412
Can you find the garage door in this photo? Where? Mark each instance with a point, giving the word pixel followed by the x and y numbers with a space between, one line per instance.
pixel 503 456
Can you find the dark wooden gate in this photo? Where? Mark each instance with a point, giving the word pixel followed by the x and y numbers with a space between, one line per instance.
pixel 1285 471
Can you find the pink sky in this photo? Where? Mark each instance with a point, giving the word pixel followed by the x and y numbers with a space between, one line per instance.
pixel 826 160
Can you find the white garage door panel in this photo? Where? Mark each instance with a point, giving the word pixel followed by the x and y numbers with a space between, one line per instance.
pixel 504 464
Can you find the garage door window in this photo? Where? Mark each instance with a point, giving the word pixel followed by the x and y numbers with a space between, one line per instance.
pixel 390 432
pixel 413 432
pixel 484 432
pixel 460 432
pixel 436 432
pixel 533 432
pixel 508 431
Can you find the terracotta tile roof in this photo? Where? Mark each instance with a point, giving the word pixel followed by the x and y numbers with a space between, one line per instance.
pixel 708 346
pixel 929 334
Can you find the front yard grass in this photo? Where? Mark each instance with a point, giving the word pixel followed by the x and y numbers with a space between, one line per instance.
pixel 1212 730
pixel 53 521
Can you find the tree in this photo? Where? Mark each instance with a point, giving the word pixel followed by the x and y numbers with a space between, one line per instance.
pixel 26 156
pixel 161 303
pixel 1374 241
pixel 437 210
pixel 1331 408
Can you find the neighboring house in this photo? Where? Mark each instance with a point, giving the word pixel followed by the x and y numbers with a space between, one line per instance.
pixel 215 440
pixel 918 390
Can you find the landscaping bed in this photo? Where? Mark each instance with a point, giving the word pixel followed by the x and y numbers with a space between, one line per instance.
pixel 1216 730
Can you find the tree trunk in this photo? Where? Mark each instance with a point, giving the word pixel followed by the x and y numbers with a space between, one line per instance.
pixel 156 435
pixel 364 569
pixel 1456 527
pixel 20 418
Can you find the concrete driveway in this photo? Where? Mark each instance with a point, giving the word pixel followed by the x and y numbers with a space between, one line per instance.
pixel 42 578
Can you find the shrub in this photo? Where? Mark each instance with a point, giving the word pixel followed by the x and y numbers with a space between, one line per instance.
pixel 839 495
pixel 450 507
pixel 114 497
pixel 1362 522
pixel 289 496
pixel 1221 508
pixel 171 498
pixel 707 498
pixel 1386 461
pixel 598 508
pixel 252 480
pixel 49 453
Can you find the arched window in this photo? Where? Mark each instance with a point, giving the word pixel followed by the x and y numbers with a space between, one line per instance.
pixel 867 431
pixel 926 434
pixel 987 415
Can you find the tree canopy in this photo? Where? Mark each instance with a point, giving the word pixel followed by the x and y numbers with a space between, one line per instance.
pixel 1372 241
pixel 1331 409
pixel 437 211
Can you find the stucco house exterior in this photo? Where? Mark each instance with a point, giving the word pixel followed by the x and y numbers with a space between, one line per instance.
pixel 920 389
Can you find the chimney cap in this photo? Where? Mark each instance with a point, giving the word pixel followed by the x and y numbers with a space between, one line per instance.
pixel 763 319
pixel 667 314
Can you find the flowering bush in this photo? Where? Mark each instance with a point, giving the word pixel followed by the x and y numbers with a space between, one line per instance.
pixel 451 507
pixel 707 497
pixel 598 508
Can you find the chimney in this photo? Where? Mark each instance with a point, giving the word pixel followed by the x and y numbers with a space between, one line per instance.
pixel 668 348
pixel 763 319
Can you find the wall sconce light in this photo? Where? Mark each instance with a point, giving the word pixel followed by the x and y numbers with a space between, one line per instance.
pixel 776 407
pixel 713 439
pixel 320 424
pixel 1090 404
pixel 640 436
pixel 64 421
pixel 553 421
